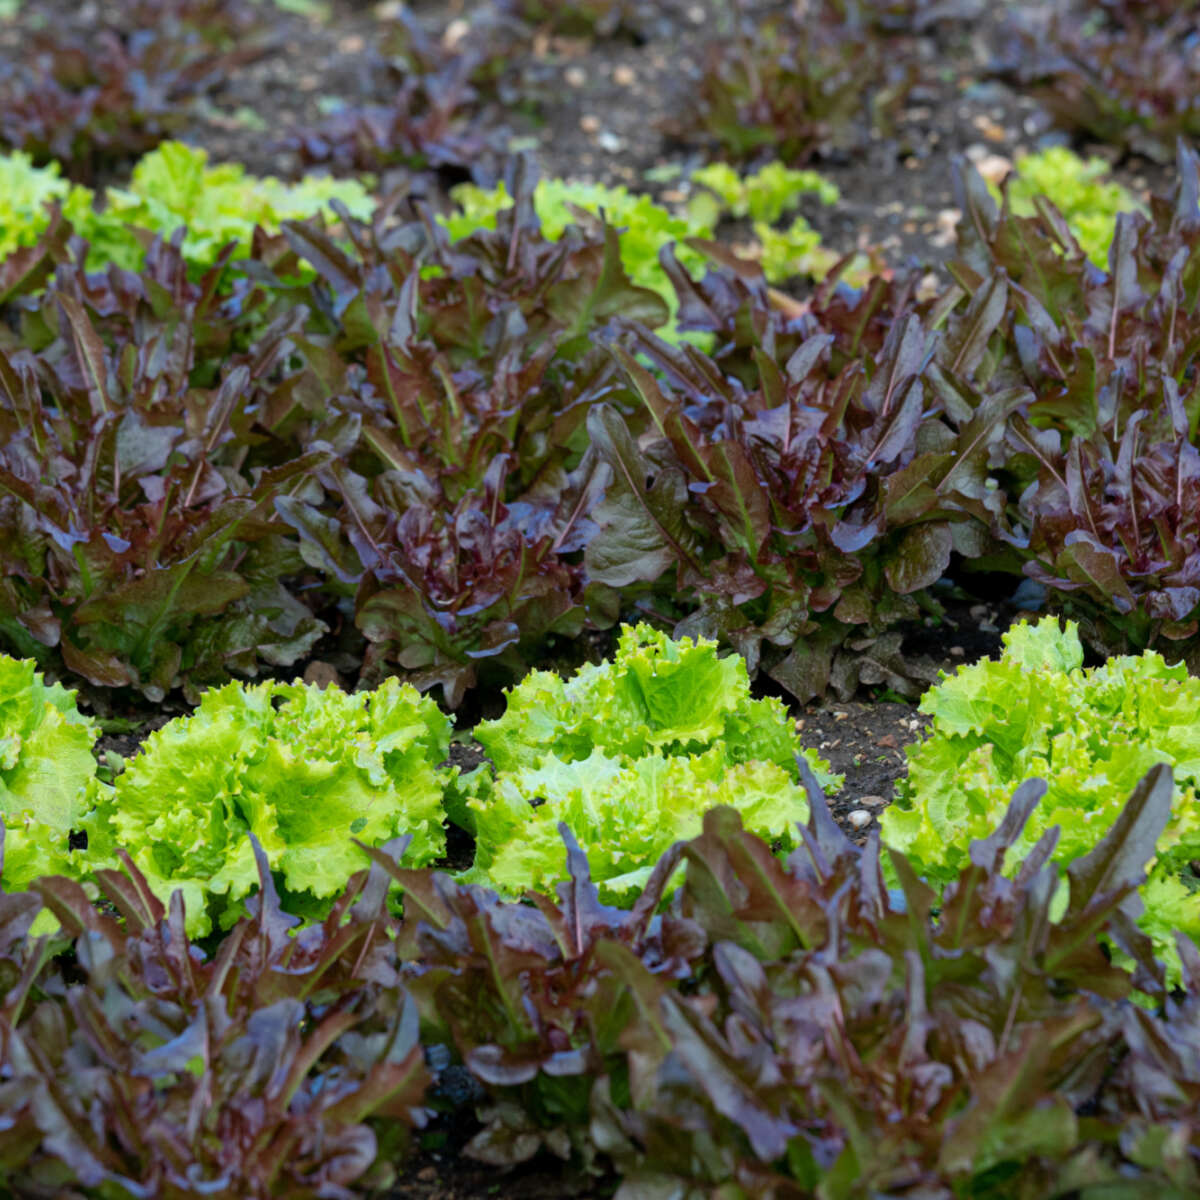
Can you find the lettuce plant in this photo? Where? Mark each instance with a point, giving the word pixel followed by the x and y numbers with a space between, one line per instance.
pixel 630 753
pixel 304 771
pixel 791 85
pixel 173 187
pixel 577 18
pixel 766 195
pixel 46 771
pixel 1081 189
pixel 1127 81
pixel 440 89
pixel 645 227
pixel 141 549
pixel 25 191
pixel 1103 458
pixel 114 80
pixel 140 1066
pixel 1092 734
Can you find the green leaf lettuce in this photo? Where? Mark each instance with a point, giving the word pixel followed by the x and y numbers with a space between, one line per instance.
pixel 630 753
pixel 304 770
pixel 1092 734
pixel 46 771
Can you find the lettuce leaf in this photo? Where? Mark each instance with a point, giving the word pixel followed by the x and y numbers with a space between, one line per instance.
pixel 25 190
pixel 1092 734
pixel 623 816
pixel 630 753
pixel 173 186
pixel 304 770
pixel 46 771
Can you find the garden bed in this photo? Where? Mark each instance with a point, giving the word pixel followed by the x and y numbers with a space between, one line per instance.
pixel 363 424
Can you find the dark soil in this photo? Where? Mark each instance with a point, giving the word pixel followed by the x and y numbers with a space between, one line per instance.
pixel 442 1175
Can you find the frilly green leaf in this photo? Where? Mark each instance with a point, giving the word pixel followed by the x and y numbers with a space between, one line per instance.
pixel 304 770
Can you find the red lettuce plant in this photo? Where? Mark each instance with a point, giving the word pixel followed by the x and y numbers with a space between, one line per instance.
pixel 89 93
pixel 436 112
pixel 791 86
pixel 150 1068
pixel 1129 82
pixel 831 486
pixel 440 589
pixel 1105 458
pixel 140 546
pixel 577 18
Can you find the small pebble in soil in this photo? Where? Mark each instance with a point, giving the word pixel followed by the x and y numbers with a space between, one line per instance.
pixel 873 801
pixel 455 32
pixel 859 818
pixel 994 168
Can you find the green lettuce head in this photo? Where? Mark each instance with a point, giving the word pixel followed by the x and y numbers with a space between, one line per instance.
pixel 304 770
pixel 623 816
pixel 630 753
pixel 47 773
pixel 1083 190
pixel 25 191
pixel 1092 734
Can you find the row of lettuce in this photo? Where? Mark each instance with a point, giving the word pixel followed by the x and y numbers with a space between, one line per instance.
pixel 629 753
pixel 993 1023
pixel 174 187
pixel 436 455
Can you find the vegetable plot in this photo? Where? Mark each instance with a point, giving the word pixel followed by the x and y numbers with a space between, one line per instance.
pixel 438 350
